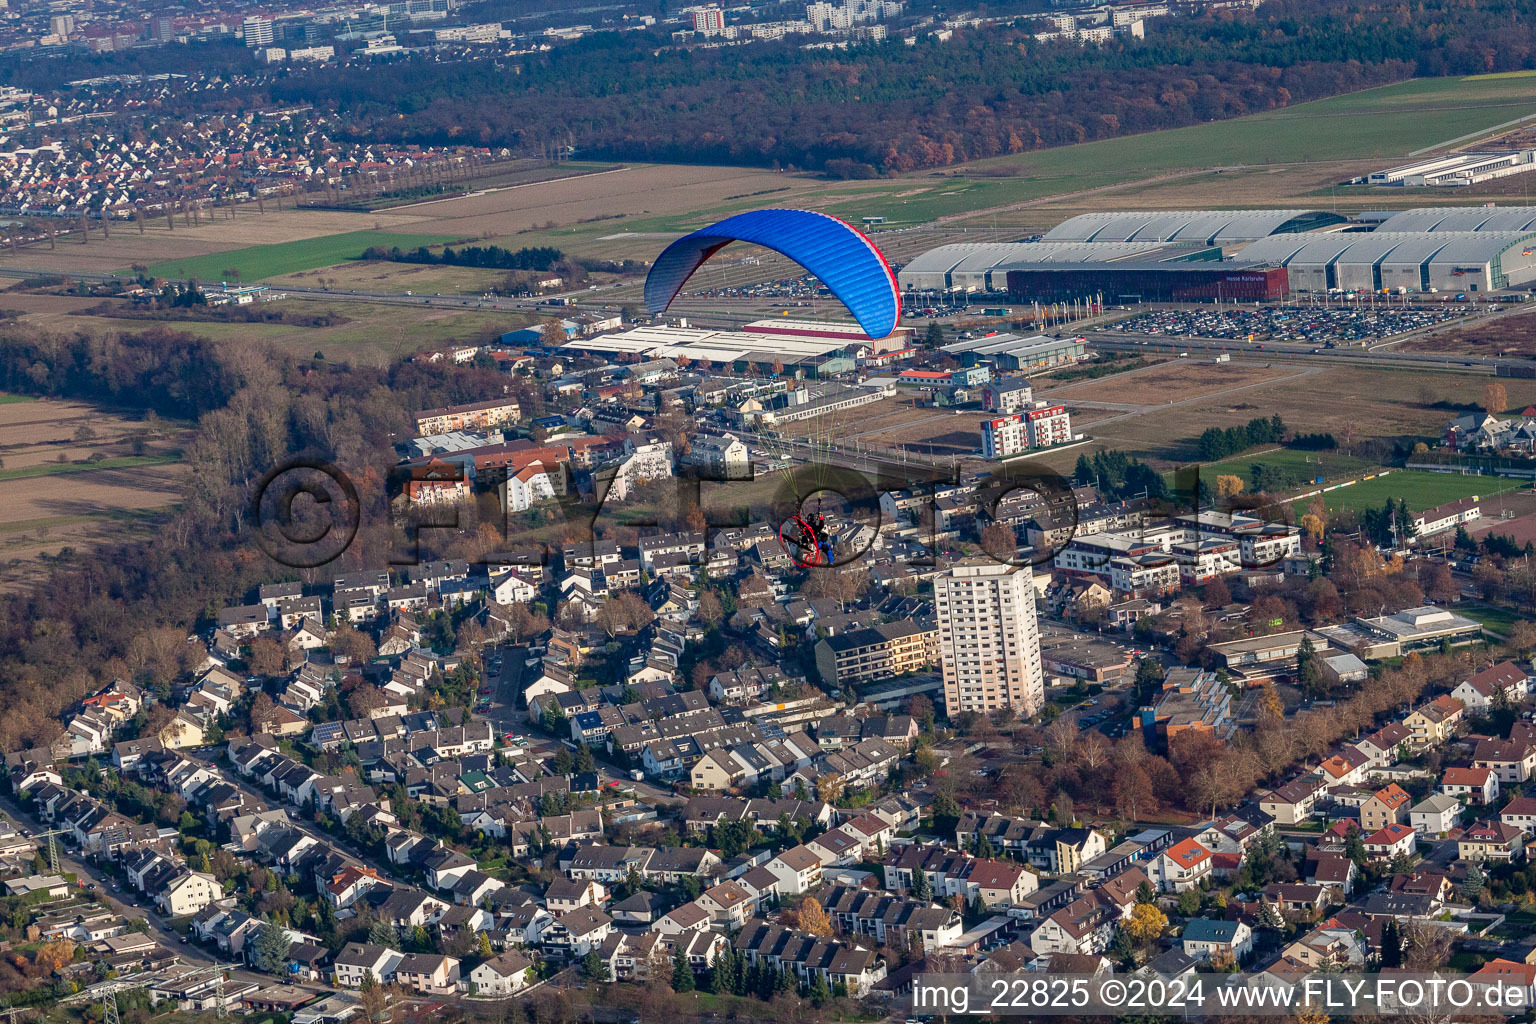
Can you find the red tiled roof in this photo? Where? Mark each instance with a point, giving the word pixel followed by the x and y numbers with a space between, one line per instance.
pixel 1187 854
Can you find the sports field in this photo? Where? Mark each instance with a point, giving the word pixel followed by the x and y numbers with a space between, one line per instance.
pixel 259 262
pixel 1422 490
pixel 1331 466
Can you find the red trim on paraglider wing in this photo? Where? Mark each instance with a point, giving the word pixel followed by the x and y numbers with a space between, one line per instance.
pixel 895 288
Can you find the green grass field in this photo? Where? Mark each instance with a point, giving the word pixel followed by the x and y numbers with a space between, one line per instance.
pixel 1422 490
pixel 1385 122
pixel 1497 619
pixel 259 262
pixel 1331 466
pixel 376 334
pixel 1388 121
pixel 13 399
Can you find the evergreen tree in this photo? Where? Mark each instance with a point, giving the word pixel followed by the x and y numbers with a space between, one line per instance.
pixel 1391 944
pixel 1309 674
pixel 593 967
pixel 718 978
pixel 383 934
pixel 682 972
pixel 763 980
pixel 270 953
pixel 946 812
pixel 1472 886
pixel 1354 846
pixel 817 991
pixel 921 888
pixel 1145 893
pixel 1123 951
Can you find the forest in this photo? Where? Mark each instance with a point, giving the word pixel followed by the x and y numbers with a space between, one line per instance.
pixel 888 107
pixel 124 611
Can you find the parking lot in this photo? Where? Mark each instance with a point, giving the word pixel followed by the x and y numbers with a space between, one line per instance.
pixel 1317 325
pixel 802 288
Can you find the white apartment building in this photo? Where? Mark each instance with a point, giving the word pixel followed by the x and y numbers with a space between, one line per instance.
pixel 1039 427
pixel 257 31
pixel 989 641
pixel 1003 436
pixel 1189 550
pixel 709 20
pixel 721 458
pixel 1047 425
pixel 649 459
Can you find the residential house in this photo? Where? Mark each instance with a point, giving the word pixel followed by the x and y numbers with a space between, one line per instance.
pixel 1520 813
pixel 1086 925
pixel 1505 682
pixel 1226 941
pixel 1512 760
pixel 1385 806
pixel 1181 866
pixel 188 892
pixel 503 975
pixel 798 870
pixel 1433 723
pixel 428 973
pixel 1292 803
pixel 1491 841
pixel 1435 815
pixel 1389 841
pixel 1475 785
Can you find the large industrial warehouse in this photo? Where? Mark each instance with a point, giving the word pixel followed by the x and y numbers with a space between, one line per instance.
pixel 1191 227
pixel 1149 282
pixel 1014 352
pixel 979 266
pixel 1454 261
pixel 1176 256
pixel 816 356
pixel 1463 218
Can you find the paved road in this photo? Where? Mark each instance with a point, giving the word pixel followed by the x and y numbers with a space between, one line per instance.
pixel 508 716
pixel 125 903
pixel 211 757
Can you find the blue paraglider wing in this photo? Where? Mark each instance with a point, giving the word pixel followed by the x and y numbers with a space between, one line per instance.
pixel 836 252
